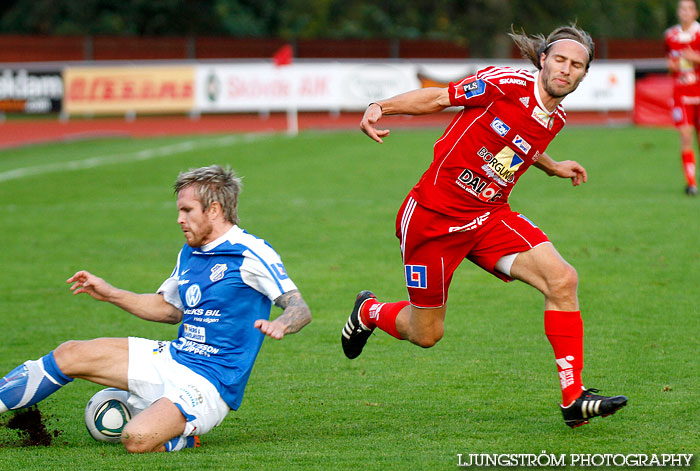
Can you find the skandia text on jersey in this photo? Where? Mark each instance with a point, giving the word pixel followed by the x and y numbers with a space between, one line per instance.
pixel 512 80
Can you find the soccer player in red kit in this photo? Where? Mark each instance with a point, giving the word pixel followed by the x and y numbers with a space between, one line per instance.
pixel 459 208
pixel 683 56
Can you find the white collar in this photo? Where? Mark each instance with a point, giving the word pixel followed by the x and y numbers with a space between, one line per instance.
pixel 215 243
pixel 537 95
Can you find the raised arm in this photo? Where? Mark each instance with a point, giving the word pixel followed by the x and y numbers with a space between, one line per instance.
pixel 563 169
pixel 151 307
pixel 296 315
pixel 422 101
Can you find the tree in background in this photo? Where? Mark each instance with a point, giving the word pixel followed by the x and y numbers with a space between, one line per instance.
pixel 478 24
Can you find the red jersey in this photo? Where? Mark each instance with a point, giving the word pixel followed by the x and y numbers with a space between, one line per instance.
pixel 502 130
pixel 686 79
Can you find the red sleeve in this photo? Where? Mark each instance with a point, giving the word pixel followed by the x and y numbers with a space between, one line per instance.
pixel 473 91
pixel 486 86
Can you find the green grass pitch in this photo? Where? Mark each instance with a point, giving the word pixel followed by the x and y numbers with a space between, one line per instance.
pixel 327 203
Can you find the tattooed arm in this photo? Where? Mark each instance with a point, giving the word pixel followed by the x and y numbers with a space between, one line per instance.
pixel 296 315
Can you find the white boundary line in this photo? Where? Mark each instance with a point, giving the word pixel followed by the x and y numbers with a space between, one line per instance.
pixel 145 154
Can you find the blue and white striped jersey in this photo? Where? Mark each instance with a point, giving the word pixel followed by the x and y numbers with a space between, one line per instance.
pixel 222 288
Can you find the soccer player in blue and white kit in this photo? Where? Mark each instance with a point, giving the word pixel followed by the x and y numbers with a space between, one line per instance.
pixel 220 292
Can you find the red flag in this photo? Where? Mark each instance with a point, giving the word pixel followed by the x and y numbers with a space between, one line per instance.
pixel 284 55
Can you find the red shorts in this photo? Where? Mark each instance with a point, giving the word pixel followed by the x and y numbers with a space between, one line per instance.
pixel 433 245
pixel 686 110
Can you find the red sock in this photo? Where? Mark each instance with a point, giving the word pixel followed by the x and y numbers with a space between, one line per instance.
pixel 564 329
pixel 383 315
pixel 688 157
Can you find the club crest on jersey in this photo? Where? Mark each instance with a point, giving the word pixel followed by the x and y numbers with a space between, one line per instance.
pixel 502 166
pixel 521 144
pixel 474 88
pixel 542 117
pixel 500 127
pixel 217 272
pixel 416 276
pixel 193 295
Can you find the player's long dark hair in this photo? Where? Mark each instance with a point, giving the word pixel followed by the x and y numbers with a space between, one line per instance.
pixel 532 47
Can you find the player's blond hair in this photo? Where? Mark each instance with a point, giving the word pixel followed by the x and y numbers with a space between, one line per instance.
pixel 532 47
pixel 213 183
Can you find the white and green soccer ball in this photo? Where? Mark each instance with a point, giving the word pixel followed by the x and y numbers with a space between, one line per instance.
pixel 106 414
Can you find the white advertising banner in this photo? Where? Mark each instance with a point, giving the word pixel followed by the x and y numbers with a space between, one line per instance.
pixel 305 87
pixel 350 86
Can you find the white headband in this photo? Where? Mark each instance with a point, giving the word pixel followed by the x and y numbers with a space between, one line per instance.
pixel 567 39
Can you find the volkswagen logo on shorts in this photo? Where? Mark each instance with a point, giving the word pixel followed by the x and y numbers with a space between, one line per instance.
pixel 193 295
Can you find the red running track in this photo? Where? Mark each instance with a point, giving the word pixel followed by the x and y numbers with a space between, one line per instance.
pixel 21 132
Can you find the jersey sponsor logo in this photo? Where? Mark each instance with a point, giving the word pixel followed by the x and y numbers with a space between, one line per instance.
pixel 521 144
pixel 195 333
pixel 470 226
pixel 542 117
pixel 217 272
pixel 475 88
pixel 502 166
pixel 193 295
pixel 500 127
pixel 197 348
pixel 279 271
pixel 182 282
pixel 183 273
pixel 525 101
pixel 416 276
pixel 484 190
pixel 515 81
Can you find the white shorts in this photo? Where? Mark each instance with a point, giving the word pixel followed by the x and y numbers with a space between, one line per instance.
pixel 154 374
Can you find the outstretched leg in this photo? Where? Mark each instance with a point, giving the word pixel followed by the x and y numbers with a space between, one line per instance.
pixel 543 268
pixel 103 361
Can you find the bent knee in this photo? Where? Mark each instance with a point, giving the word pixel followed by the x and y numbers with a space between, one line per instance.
pixel 563 282
pixel 132 445
pixel 428 339
pixel 135 442
pixel 74 356
pixel 67 353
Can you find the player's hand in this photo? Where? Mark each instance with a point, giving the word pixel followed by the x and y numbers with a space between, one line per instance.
pixel 272 329
pixel 370 118
pixel 571 169
pixel 85 282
